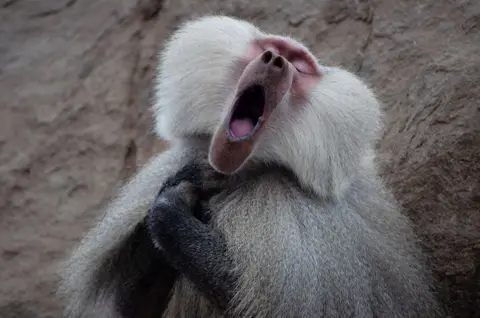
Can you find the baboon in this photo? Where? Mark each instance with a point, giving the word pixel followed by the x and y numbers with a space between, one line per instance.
pixel 298 223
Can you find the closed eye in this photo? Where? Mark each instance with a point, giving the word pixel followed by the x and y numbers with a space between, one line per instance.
pixel 302 67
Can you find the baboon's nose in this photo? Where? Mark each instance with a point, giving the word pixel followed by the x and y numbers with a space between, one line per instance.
pixel 272 59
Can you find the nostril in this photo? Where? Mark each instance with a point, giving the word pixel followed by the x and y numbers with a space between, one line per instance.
pixel 267 56
pixel 278 62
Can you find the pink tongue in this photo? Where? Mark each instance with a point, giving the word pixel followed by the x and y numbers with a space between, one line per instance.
pixel 240 127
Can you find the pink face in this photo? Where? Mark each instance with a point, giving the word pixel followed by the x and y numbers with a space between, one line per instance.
pixel 306 74
pixel 271 68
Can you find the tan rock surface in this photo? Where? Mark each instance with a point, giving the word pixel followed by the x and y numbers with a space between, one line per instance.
pixel 74 120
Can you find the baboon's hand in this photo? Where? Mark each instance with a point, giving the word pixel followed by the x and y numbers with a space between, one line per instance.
pixel 181 194
pixel 184 185
pixel 183 238
pixel 192 181
pixel 212 181
pixel 173 206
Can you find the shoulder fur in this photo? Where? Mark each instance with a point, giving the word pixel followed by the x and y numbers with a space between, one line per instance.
pixel 83 295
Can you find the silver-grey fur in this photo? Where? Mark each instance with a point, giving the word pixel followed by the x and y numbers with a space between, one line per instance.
pixel 314 231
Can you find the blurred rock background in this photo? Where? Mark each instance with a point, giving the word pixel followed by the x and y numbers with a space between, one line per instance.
pixel 75 90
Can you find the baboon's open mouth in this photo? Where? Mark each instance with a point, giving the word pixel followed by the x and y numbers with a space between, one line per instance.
pixel 248 113
pixel 260 89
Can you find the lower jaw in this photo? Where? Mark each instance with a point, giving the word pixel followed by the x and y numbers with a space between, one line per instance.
pixel 228 154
